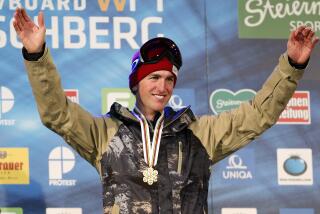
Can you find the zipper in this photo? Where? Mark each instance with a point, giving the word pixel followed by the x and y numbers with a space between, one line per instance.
pixel 180 158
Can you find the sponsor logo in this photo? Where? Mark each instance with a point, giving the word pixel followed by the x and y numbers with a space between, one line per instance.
pixel 3 154
pixel 297 110
pixel 14 166
pixel 295 166
pixel 238 211
pixel 63 211
pixel 239 166
pixel 11 210
pixel 121 95
pixel 176 102
pixel 275 18
pixel 296 211
pixel 6 105
pixel 224 100
pixel 72 94
pixel 179 98
pixel 61 161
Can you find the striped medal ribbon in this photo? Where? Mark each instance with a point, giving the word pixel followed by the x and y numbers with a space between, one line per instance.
pixel 150 149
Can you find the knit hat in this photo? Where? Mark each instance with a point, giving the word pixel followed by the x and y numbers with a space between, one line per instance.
pixel 157 54
pixel 145 69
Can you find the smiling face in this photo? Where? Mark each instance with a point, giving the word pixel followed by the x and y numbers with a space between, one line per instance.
pixel 154 92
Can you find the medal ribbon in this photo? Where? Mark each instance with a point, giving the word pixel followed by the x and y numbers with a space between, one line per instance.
pixel 150 149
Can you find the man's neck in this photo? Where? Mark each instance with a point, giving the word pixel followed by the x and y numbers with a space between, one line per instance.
pixel 149 115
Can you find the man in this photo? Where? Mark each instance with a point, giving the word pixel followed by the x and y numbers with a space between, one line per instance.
pixel 153 159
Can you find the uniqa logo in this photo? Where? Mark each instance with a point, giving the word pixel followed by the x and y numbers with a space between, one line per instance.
pixel 236 169
pixel 176 102
pixel 224 100
pixel 6 100
pixel 295 166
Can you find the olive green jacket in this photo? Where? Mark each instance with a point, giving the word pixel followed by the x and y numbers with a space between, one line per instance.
pixel 96 139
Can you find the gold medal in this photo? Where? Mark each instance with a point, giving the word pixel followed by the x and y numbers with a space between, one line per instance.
pixel 150 149
pixel 150 175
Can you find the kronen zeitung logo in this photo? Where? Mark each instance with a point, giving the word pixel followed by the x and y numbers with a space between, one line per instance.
pixel 297 110
pixel 275 18
pixel 72 94
pixel 224 100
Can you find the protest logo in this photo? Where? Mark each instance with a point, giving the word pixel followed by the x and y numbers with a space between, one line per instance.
pixel 6 105
pixel 61 161
pixel 297 110
pixel 224 100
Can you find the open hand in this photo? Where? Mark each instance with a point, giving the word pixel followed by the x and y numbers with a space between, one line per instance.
pixel 31 35
pixel 300 44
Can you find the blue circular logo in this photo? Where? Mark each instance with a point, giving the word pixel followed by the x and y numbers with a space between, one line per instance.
pixel 295 166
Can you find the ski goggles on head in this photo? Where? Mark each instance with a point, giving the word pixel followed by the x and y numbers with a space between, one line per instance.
pixel 156 49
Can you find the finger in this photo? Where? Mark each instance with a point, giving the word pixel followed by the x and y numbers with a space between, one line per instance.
pixel 25 16
pixel 16 27
pixel 310 35
pixel 16 16
pixel 306 32
pixel 314 42
pixel 41 20
pixel 22 21
pixel 299 30
pixel 292 36
pixel 18 22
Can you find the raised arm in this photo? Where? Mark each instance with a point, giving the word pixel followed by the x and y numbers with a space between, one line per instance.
pixel 224 134
pixel 85 133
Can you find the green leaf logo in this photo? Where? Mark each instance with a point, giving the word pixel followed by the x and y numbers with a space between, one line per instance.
pixel 224 100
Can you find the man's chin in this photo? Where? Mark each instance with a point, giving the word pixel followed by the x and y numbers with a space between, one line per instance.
pixel 159 108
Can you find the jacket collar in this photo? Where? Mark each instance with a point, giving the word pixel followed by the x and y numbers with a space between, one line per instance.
pixel 177 120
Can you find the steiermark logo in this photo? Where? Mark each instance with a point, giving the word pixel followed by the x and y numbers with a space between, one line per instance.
pixel 276 18
pixel 224 100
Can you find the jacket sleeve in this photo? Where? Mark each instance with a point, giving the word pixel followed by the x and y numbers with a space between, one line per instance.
pixel 227 132
pixel 78 127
